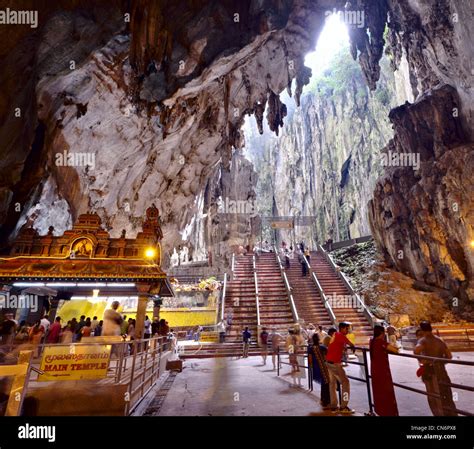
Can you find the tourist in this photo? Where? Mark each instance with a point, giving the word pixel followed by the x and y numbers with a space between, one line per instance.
pixel 7 329
pixel 230 316
pixel 307 256
pixel 246 335
pixel 164 329
pixel 94 323
pixel 131 333
pixel 264 344
pixel 189 334
pixel 22 334
pixel 286 255
pixel 36 334
pixel 336 371
pixel 54 331
pixel 221 328
pixel 351 337
pixel 147 328
pixel 67 333
pixel 326 340
pixel 310 330
pixel 295 342
pixel 385 403
pixel 197 333
pixel 434 373
pixel 98 329
pixel 301 330
pixel 45 323
pixel 301 260
pixel 317 362
pixel 73 326
pixel 112 321
pixel 87 328
pixel 155 326
pixel 392 335
pixel 275 339
pixel 322 334
pixel 173 343
pixel 124 326
pixel 80 325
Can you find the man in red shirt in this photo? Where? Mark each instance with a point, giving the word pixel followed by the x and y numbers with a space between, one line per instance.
pixel 336 371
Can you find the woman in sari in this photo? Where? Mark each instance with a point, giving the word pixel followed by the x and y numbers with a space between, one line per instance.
pixel 385 403
pixel 316 359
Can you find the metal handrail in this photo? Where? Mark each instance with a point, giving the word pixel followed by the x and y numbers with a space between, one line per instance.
pixel 326 303
pixel 367 377
pixel 324 298
pixel 368 314
pixel 224 287
pixel 232 265
pixel 257 302
pixel 294 311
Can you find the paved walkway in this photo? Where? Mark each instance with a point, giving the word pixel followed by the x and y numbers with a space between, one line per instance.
pixel 244 387
pixel 235 387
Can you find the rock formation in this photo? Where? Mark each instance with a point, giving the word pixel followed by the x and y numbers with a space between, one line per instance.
pixel 147 98
pixel 157 102
pixel 325 163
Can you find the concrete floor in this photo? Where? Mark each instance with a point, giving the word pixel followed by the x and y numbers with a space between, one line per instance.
pixel 244 387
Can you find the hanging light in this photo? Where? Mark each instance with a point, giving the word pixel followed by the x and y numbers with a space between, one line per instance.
pixel 150 253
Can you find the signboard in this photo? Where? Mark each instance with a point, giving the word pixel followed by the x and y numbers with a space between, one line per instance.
pixel 284 224
pixel 74 362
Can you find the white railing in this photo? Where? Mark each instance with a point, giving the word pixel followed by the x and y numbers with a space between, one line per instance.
pixel 326 303
pixel 256 290
pixel 224 288
pixel 287 287
pixel 365 310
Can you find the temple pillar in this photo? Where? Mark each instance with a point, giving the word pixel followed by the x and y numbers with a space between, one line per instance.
pixel 143 298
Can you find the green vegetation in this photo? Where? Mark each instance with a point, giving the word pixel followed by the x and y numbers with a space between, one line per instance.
pixel 335 79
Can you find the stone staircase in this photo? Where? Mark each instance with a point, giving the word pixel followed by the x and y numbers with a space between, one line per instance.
pixel 240 296
pixel 332 285
pixel 308 301
pixel 275 310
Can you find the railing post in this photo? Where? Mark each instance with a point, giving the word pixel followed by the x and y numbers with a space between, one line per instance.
pixel 284 277
pixel 278 361
pixel 224 287
pixel 256 295
pixel 367 382
pixel 130 385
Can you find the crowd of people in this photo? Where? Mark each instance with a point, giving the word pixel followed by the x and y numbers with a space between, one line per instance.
pixel 327 353
pixel 45 331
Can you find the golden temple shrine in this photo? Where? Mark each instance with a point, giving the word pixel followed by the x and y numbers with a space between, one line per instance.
pixel 85 257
